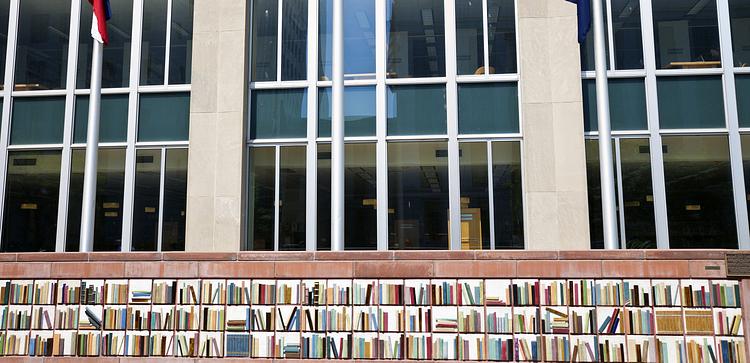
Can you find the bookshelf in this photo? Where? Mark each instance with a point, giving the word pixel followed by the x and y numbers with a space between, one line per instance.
pixel 583 348
pixel 186 344
pixel 164 292
pixel 236 345
pixel 444 347
pixel 314 293
pixel 610 320
pixel 239 292
pixel 583 320
pixel 639 321
pixel 391 292
pixel 211 345
pixel 263 345
pixel 608 293
pixel 45 292
pixel 137 344
pixel 470 292
pixel 238 319
pixel 391 346
pixel 700 349
pixel 526 320
pixel 726 293
pixel 418 319
pixel 188 292
pixel 498 293
pixel 443 292
pixel 314 345
pixel 669 321
pixel 139 292
pixel 611 349
pixel 417 292
pixel 666 292
pixel 213 292
pixel 365 292
pixel 116 292
pixel 637 293
pixel 528 347
pixel 161 343
pixel 696 294
pixel 525 292
pixel 444 319
pixel 472 347
pixel 581 292
pixel 392 318
pixel 365 346
pixel 555 320
pixel 641 349
pixel 499 320
pixel 471 319
pixel 554 292
pixel 339 292
pixel 365 319
pixel 339 345
pixel 556 348
pixel 670 349
pixel 68 292
pixel 730 350
pixel 728 322
pixel 500 348
pixel 698 321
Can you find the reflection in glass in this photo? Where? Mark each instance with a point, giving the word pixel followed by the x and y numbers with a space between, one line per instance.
pixel 264 40
pixel 501 19
pixel 37 120
pixel 416 110
pixel 153 44
pixel 475 198
pixel 42 50
pixel 627 104
pixel 261 212
pixel 637 194
pixel 739 12
pixel 626 31
pixel 359 111
pixel 690 102
pixel 587 48
pixel 4 15
pixel 113 123
pixel 110 181
pixel 359 39
pixel 700 204
pixel 418 195
pixel 116 55
pixel 163 117
pixel 686 34
pixel 278 113
pixel 181 42
pixel 416 38
pixel 487 108
pixel 294 40
pixel 508 195
pixel 594 183
pixel 292 210
pixel 745 140
pixel 360 193
pixel 469 37
pixel 175 200
pixel 31 200
pixel 742 85
pixel 146 200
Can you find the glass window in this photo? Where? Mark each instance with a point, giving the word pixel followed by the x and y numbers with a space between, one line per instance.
pixel 294 40
pixel 181 42
pixel 359 39
pixel 416 38
pixel 594 183
pixel 501 18
pixel 508 195
pixel 418 195
pixel 292 208
pixel 627 107
pixel 154 42
pixel 637 194
pixel 626 31
pixel 588 63
pixel 164 117
pixel 116 56
pixel 113 123
pixel 110 186
pixel 745 139
pixel 742 85
pixel 4 15
pixel 690 102
pixel 700 204
pixel 360 193
pixel 475 198
pixel 739 12
pixel 31 201
pixel 37 120
pixel 264 40
pixel 146 200
pixel 416 110
pixel 279 113
pixel 487 108
pixel 686 34
pixel 175 200
pixel 469 37
pixel 42 50
pixel 359 111
pixel 261 213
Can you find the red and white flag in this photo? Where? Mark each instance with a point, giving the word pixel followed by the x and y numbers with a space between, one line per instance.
pixel 102 13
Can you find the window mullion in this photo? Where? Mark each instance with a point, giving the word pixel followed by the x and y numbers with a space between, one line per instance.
pixel 381 38
pixel 610 34
pixel 10 60
pixel 620 194
pixel 485 30
pixel 168 42
pixel 279 27
pixel 451 99
pixel 277 203
pixel 162 179
pixel 312 128
pixel 491 193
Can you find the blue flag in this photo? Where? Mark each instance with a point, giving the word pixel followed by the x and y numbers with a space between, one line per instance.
pixel 584 18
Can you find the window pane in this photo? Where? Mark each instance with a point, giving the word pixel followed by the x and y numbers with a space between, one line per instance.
pixel 146 200
pixel 37 120
pixel 278 113
pixel 31 200
pixel 261 212
pixel 265 31
pixel 359 39
pixel 475 198
pixel 637 194
pixel 181 42
pixel 175 200
pixel 700 204
pixel 418 195
pixel 164 117
pixel 742 85
pixel 4 15
pixel 416 38
pixel 627 107
pixel 42 51
pixel 113 123
pixel 469 37
pixel 745 139
pixel 116 56
pixel 360 193
pixel 294 40
pixel 587 48
pixel 594 183
pixel 690 102
pixel 153 45
pixel 292 209
pixel 739 12
pixel 687 34
pixel 508 195
pixel 359 111
pixel 487 108
pixel 501 17
pixel 416 110
pixel 110 184
pixel 626 30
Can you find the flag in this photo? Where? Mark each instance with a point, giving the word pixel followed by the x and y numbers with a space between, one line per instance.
pixel 102 13
pixel 584 18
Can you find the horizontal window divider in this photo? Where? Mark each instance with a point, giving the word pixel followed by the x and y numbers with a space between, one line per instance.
pixel 279 85
pixel 349 83
pixel 742 70
pixel 101 145
pixel 349 139
pixel 745 130
pixel 489 137
pixel 415 81
pixel 488 78
pixel 40 93
pixel 630 73
pixel 105 91
pixel 697 132
pixel 277 142
pixel 147 144
pixel 417 138
pixel 36 147
pixel 162 88
pixel 689 72
pixel 638 133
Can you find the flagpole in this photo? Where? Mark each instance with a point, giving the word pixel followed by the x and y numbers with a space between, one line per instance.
pixel 337 130
pixel 88 209
pixel 606 163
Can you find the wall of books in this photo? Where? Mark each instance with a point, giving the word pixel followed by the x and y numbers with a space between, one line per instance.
pixel 420 319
